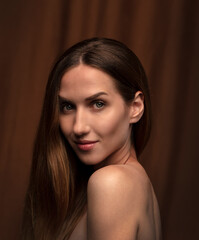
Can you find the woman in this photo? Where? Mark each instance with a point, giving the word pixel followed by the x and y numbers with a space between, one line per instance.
pixel 86 181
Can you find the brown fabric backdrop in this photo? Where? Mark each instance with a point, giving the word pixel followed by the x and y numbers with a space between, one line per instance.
pixel 165 36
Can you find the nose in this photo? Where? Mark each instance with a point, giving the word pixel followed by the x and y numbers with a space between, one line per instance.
pixel 81 125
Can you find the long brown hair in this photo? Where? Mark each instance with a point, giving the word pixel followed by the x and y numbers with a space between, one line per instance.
pixel 56 197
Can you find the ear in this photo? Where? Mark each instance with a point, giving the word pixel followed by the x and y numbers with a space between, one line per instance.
pixel 137 107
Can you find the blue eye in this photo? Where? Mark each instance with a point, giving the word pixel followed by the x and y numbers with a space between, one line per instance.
pixel 65 107
pixel 99 104
pixel 68 106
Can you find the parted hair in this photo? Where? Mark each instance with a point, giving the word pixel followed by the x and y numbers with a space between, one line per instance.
pixel 56 196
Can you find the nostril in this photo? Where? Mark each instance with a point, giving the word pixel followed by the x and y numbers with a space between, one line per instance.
pixel 79 135
pixel 81 132
pixel 80 129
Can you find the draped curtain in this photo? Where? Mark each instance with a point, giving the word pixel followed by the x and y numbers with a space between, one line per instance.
pixel 163 34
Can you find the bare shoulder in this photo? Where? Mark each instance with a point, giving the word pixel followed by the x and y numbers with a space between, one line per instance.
pixel 120 203
pixel 116 179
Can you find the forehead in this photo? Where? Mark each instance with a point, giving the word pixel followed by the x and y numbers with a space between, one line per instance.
pixel 86 80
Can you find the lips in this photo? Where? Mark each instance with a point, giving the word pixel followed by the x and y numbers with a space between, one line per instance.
pixel 85 145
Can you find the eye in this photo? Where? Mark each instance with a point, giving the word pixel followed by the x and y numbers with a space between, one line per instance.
pixel 98 104
pixel 68 106
pixel 65 107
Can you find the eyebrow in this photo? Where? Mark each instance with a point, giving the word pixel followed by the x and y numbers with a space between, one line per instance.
pixel 95 96
pixel 92 97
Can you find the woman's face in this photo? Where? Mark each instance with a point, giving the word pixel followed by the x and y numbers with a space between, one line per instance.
pixel 94 118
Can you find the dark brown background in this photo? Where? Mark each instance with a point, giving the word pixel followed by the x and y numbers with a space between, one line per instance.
pixel 165 36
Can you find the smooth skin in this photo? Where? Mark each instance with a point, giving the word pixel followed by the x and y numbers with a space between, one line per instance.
pixel 97 123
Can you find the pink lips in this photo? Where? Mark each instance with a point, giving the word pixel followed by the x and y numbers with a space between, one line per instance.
pixel 86 145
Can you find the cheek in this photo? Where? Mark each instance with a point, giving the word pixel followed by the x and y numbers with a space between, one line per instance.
pixel 65 126
pixel 115 123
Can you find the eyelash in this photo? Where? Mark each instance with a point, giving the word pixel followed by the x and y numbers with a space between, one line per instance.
pixel 98 102
pixel 64 105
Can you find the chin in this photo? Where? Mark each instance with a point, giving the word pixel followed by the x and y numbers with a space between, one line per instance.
pixel 90 160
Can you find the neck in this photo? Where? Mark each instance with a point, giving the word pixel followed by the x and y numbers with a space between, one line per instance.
pixel 123 155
